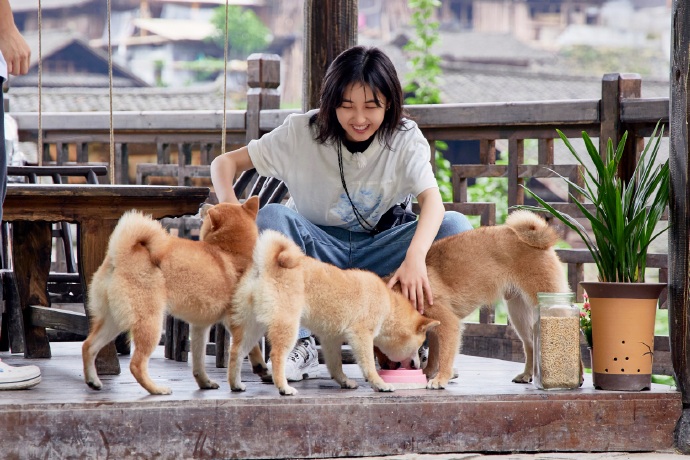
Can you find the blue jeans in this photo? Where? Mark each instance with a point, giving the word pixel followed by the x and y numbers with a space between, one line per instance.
pixel 381 254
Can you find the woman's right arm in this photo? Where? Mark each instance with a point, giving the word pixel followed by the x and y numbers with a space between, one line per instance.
pixel 223 170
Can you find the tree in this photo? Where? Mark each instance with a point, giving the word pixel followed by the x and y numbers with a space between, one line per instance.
pixel 423 78
pixel 246 33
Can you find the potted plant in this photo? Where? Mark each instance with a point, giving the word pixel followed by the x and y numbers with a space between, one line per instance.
pixel 624 219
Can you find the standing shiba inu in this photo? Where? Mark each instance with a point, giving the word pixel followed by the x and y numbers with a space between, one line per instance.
pixel 284 287
pixel 148 272
pixel 514 261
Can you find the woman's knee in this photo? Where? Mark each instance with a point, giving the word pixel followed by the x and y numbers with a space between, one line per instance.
pixel 453 223
pixel 274 216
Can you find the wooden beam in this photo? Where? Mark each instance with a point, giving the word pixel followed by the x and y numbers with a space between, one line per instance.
pixel 63 320
pixel 679 256
pixel 330 27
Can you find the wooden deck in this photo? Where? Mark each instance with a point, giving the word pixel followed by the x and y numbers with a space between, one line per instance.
pixel 481 411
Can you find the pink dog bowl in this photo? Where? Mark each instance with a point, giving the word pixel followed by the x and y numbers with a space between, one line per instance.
pixel 404 378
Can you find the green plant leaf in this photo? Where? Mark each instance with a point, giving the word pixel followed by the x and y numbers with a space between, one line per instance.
pixel 626 213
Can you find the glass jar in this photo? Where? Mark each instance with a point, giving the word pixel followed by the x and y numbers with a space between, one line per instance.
pixel 557 362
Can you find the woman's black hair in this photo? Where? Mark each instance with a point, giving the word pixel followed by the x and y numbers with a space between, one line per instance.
pixel 369 66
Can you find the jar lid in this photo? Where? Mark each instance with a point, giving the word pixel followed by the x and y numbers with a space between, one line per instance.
pixel 562 298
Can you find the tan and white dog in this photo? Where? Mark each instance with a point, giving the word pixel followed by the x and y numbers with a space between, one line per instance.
pixel 285 287
pixel 148 272
pixel 514 261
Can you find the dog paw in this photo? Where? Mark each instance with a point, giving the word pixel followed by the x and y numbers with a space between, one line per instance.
pixel 238 387
pixel 385 387
pixel 436 384
pixel 208 385
pixel 522 378
pixel 95 384
pixel 348 384
pixel 161 391
pixel 287 391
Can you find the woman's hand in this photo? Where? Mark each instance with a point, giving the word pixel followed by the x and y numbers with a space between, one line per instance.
pixel 14 48
pixel 413 279
pixel 412 274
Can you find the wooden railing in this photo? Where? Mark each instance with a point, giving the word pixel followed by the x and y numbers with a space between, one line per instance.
pixel 182 145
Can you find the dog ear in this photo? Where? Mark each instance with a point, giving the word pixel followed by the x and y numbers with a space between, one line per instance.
pixel 214 216
pixel 251 205
pixel 427 323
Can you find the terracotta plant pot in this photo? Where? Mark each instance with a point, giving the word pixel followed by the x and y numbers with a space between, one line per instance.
pixel 623 317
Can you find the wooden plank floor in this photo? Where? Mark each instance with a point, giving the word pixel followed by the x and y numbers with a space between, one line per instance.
pixel 482 411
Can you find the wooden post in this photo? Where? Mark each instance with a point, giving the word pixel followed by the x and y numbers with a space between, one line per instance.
pixel 263 79
pixel 330 27
pixel 615 87
pixel 121 173
pixel 678 254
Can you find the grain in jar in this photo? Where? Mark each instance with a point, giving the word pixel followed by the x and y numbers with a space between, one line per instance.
pixel 557 342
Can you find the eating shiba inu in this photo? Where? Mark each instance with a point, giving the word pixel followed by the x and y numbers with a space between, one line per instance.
pixel 514 261
pixel 285 287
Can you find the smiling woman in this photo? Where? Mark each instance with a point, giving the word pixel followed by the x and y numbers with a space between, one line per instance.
pixel 361 112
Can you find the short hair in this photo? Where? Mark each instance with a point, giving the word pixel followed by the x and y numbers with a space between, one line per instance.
pixel 369 66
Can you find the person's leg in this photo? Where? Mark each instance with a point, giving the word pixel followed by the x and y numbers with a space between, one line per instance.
pixel 303 360
pixel 385 252
pixel 326 244
pixel 11 377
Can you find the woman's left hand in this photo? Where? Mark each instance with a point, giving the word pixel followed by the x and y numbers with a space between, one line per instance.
pixel 414 282
pixel 412 274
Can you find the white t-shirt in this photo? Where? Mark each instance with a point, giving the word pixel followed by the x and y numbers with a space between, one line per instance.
pixel 310 171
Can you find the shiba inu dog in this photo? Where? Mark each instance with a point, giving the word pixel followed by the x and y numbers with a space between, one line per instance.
pixel 514 261
pixel 285 287
pixel 148 272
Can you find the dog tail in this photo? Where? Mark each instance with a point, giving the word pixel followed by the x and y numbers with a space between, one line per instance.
pixel 532 229
pixel 133 233
pixel 274 249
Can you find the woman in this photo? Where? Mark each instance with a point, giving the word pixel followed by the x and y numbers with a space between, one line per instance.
pixel 345 164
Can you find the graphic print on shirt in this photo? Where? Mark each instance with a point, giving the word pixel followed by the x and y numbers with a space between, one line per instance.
pixel 365 201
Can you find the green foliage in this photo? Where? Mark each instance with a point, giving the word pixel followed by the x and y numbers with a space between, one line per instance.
pixel 204 68
pixel 246 33
pixel 423 78
pixel 625 213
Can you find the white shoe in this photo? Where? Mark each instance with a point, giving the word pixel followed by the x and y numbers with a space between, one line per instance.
pixel 18 377
pixel 302 362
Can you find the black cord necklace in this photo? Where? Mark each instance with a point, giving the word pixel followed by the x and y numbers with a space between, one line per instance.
pixel 360 218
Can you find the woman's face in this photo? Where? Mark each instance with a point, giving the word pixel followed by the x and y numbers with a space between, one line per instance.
pixel 358 114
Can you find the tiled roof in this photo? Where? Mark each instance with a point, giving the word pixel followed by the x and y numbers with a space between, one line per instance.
pixel 51 43
pixel 176 29
pixel 209 97
pixel 19 6
pixel 469 84
pixel 484 84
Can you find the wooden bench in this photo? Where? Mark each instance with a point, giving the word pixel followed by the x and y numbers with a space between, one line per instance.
pixel 65 288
